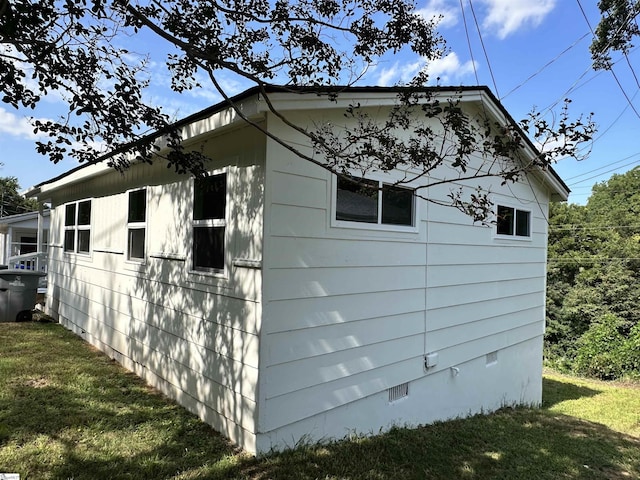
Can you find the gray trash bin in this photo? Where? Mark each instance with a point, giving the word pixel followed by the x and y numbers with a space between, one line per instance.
pixel 18 289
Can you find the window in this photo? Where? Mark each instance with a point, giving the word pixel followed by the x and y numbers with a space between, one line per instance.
pixel 512 221
pixel 77 227
pixel 136 224
pixel 209 222
pixel 370 201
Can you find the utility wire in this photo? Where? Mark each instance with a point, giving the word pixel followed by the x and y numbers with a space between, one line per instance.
pixel 466 31
pixel 486 56
pixel 602 167
pixel 545 66
pixel 611 69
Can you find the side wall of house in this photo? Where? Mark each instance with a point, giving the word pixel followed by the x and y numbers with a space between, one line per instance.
pixel 192 335
pixel 350 312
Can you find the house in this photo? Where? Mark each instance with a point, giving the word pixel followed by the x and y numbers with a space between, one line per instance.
pixel 23 240
pixel 265 302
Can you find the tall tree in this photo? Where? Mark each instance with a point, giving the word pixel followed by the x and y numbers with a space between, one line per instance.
pixel 615 31
pixel 71 47
pixel 593 283
pixel 11 202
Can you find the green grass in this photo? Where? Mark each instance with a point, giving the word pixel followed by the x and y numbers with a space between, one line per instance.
pixel 67 411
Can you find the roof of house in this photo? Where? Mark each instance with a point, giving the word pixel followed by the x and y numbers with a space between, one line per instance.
pixel 21 217
pixel 477 93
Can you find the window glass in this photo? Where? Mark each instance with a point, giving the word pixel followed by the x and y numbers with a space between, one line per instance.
pixel 70 215
pixel 137 206
pixel 136 243
pixel 208 248
pixel 505 220
pixel 397 205
pixel 210 196
pixel 523 223
pixel 69 240
pixel 357 200
pixel 84 213
pixel 83 241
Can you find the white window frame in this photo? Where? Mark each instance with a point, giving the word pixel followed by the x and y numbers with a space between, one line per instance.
pixel 137 226
pixel 512 235
pixel 210 223
pixel 382 180
pixel 76 228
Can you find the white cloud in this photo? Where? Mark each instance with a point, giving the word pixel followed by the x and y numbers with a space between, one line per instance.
pixel 15 126
pixel 399 73
pixel 436 8
pixel 449 69
pixel 507 16
pixel 444 71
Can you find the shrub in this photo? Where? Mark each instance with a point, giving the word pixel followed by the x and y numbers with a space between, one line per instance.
pixel 603 350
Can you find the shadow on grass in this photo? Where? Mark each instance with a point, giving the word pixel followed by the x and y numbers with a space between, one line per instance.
pixel 69 412
pixel 81 416
pixel 554 392
pixel 511 444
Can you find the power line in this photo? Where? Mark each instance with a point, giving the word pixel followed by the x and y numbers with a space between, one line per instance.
pixel 602 167
pixel 602 173
pixel 486 56
pixel 545 66
pixel 610 69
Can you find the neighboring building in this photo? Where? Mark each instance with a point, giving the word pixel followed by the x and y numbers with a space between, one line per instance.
pixel 23 240
pixel 274 303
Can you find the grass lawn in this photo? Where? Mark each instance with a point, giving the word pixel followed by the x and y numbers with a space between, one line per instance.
pixel 67 411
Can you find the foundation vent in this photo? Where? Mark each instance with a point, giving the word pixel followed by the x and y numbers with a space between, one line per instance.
pixel 492 358
pixel 398 392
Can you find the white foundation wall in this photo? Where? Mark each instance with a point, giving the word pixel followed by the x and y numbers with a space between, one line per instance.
pixel 191 335
pixel 350 312
pixel 443 394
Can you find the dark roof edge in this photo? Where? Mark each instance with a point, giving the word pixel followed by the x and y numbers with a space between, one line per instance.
pixel 296 89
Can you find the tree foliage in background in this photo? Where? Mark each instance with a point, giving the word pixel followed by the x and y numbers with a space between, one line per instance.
pixel 76 50
pixel 593 285
pixel 11 201
pixel 615 31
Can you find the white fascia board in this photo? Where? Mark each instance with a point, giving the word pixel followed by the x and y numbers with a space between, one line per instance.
pixel 191 131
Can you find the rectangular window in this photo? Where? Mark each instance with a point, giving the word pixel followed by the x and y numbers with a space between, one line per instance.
pixel 514 222
pixel 209 222
pixel 77 227
pixel 370 201
pixel 136 224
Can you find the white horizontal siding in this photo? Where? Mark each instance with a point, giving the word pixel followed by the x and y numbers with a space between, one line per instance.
pixel 305 313
pixel 305 343
pixel 194 335
pixel 319 282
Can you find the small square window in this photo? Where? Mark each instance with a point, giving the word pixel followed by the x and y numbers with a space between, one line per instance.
pixel 208 248
pixel 514 222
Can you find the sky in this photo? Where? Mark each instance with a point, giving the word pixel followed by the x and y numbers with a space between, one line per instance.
pixel 531 54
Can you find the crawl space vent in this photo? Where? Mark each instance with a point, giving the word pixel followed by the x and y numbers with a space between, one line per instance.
pixel 398 392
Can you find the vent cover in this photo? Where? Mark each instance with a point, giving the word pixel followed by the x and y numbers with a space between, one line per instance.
pixel 398 392
pixel 492 358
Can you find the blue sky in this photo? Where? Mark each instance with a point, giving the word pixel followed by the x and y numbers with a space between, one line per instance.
pixel 538 52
